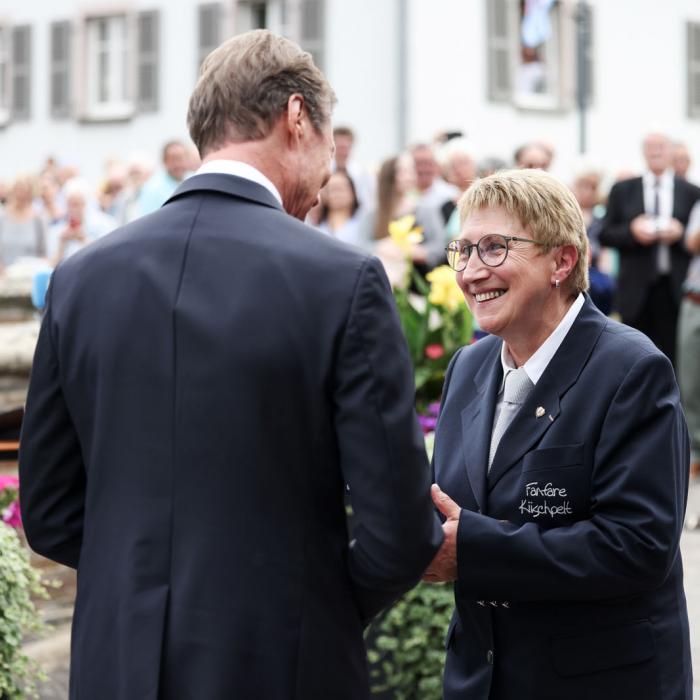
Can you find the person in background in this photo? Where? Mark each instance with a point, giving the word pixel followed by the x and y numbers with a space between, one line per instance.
pixel 689 340
pixel 48 202
pixel 111 193
pixel 586 189
pixel 396 198
pixel 680 160
pixel 339 214
pixel 645 221
pixel 139 169
pixel 561 468
pixel 364 182
pixel 22 230
pixel 490 165
pixel 532 155
pixel 83 223
pixel 433 191
pixel 165 181
pixel 459 165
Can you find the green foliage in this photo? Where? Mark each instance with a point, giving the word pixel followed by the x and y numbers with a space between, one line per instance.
pixel 406 647
pixel 18 617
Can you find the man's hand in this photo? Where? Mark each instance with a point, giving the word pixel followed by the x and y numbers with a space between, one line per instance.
pixel 443 568
pixel 672 232
pixel 642 229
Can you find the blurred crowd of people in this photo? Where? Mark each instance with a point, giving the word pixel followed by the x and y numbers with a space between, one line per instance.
pixel 47 216
pixel 644 233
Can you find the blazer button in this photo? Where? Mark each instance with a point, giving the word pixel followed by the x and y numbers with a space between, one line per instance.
pixel 489 657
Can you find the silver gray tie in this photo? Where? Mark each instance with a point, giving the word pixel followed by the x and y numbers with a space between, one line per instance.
pixel 516 389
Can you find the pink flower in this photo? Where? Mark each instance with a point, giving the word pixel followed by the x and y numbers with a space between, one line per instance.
pixel 8 481
pixel 434 351
pixel 11 515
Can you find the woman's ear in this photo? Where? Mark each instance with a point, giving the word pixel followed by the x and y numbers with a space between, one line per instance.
pixel 565 259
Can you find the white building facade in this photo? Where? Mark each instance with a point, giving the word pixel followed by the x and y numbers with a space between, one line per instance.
pixel 91 80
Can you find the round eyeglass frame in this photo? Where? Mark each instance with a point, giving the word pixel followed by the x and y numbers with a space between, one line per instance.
pixel 459 247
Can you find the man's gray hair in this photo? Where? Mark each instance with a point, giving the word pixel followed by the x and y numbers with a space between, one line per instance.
pixel 244 86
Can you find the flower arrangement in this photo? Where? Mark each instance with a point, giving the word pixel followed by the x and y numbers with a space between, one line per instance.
pixel 435 319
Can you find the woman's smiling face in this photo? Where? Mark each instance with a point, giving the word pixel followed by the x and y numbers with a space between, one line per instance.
pixel 512 300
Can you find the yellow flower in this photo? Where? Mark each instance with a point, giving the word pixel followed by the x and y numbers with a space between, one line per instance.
pixel 444 290
pixel 404 233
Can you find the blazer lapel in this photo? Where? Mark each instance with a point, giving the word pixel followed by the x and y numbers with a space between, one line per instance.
pixel 542 407
pixel 477 422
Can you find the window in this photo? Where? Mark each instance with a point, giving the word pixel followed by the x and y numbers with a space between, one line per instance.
pixel 210 17
pixel 531 52
pixel 694 70
pixel 59 69
pixel 250 14
pixel 107 88
pixel 21 72
pixel 147 61
pixel 4 75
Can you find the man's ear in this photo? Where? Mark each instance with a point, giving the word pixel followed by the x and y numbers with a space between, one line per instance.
pixel 295 115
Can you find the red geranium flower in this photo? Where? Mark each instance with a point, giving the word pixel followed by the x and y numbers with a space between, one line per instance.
pixel 435 351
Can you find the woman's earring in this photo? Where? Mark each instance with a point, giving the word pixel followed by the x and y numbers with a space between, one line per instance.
pixel 556 283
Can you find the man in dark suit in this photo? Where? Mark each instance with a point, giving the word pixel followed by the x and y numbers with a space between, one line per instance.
pixel 207 381
pixel 564 500
pixel 645 221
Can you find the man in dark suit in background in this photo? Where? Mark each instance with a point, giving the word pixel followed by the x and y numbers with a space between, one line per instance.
pixel 207 381
pixel 645 221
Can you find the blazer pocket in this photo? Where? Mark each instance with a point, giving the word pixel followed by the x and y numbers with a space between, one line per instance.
pixel 603 649
pixel 553 457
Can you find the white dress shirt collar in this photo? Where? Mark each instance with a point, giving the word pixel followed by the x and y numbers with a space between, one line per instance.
pixel 240 169
pixel 537 364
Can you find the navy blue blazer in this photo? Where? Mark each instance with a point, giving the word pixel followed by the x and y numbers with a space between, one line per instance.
pixel 570 577
pixel 207 381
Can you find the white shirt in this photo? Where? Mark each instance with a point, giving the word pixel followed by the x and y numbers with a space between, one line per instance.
pixel 537 364
pixel 665 193
pixel 240 169
pixel 663 259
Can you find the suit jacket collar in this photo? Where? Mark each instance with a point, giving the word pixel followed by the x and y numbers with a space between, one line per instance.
pixel 226 184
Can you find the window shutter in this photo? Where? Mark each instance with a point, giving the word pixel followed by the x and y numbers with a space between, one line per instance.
pixel 59 69
pixel 694 70
pixel 210 16
pixel 147 50
pixel 4 74
pixel 499 51
pixel 21 72
pixel 312 29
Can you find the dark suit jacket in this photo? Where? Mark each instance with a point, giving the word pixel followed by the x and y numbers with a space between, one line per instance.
pixel 638 262
pixel 570 577
pixel 206 382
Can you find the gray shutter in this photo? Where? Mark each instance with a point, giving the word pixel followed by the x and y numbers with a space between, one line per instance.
pixel 21 72
pixel 59 69
pixel 693 70
pixel 498 39
pixel 4 69
pixel 209 29
pixel 147 52
pixel 312 29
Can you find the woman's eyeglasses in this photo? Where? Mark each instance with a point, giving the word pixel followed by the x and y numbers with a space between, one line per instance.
pixel 492 249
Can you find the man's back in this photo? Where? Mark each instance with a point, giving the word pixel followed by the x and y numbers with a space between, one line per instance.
pixel 225 371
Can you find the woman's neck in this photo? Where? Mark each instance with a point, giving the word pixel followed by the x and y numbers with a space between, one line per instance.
pixel 338 218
